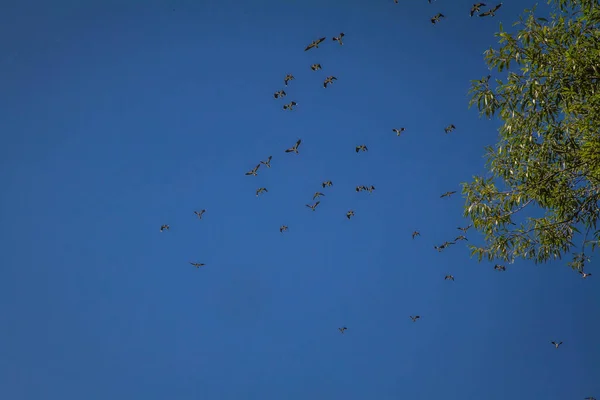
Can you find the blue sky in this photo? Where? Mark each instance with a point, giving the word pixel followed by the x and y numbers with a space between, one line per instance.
pixel 117 117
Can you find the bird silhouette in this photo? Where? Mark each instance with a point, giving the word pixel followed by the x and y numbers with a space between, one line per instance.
pixel 315 44
pixel 199 213
pixel 294 148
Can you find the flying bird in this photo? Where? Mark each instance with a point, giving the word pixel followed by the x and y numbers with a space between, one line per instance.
pixel 342 329
pixel 253 171
pixel 339 38
pixel 447 194
pixel 461 237
pixel 197 265
pixel 288 77
pixel 415 318
pixel 491 12
pixel 279 93
pixel 398 131
pixel 163 227
pixel 329 80
pixel 314 206
pixel 449 277
pixel 283 228
pixel 294 148
pixel 465 229
pixel 268 162
pixel 315 44
pixel 361 147
pixel 416 233
pixel 290 105
pixel 499 267
pixel 443 246
pixel 556 344
pixel 315 67
pixel 449 128
pixel 584 275
pixel 437 17
pixel 327 184
pixel 199 213
pixel 476 7
pixel 360 188
pixel 317 194
pixel 260 190
pixel 370 189
pixel 350 214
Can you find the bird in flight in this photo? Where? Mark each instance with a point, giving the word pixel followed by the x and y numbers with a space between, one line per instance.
pixel 437 17
pixel 197 265
pixel 360 188
pixel 415 318
pixel 476 7
pixel 339 38
pixel 294 148
pixel 449 128
pixel 253 171
pixel 465 229
pixel 449 278
pixel 283 228
pixel 199 213
pixel 327 184
pixel 447 194
pixel 556 344
pixel 260 190
pixel 499 267
pixel 584 275
pixel 315 44
pixel 461 237
pixel 164 227
pixel 288 77
pixel 361 147
pixel 443 246
pixel 329 80
pixel 290 105
pixel 370 189
pixel 398 131
pixel 268 162
pixel 279 93
pixel 314 206
pixel 342 329
pixel 416 233
pixel 317 194
pixel 491 12
pixel 350 214
pixel 315 67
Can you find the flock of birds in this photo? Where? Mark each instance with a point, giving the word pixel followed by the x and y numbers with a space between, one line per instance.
pixel 280 94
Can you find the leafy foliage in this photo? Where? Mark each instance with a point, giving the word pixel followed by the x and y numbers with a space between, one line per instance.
pixel 548 152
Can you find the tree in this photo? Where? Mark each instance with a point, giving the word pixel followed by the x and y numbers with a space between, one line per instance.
pixel 547 158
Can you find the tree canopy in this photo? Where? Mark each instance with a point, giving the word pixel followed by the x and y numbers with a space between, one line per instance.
pixel 547 158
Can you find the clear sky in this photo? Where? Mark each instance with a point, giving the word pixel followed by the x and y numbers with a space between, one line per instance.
pixel 119 116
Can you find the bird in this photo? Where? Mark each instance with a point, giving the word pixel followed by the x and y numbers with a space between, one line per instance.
pixel 447 194
pixel 360 188
pixel 317 194
pixel 499 267
pixel 294 148
pixel 260 190
pixel 416 233
pixel 415 318
pixel 314 206
pixel 327 184
pixel 590 398
pixel 339 38
pixel 163 227
pixel 329 80
pixel 253 171
pixel 465 229
pixel 491 12
pixel 268 162
pixel 342 329
pixel 443 246
pixel 290 105
pixel 350 214
pixel 288 77
pixel 361 147
pixel 283 228
pixel 436 18
pixel 556 344
pixel 449 277
pixel 279 93
pixel 199 213
pixel 197 265
pixel 461 237
pixel 449 128
pixel 370 189
pixel 476 7
pixel 315 67
pixel 584 274
pixel 398 131
pixel 315 44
